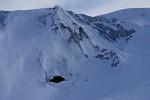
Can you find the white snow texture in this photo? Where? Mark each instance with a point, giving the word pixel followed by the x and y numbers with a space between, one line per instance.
pixel 106 57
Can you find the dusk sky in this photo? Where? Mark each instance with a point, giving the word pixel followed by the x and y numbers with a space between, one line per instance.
pixel 89 7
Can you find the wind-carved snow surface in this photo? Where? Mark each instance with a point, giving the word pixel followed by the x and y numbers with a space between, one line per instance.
pixel 53 54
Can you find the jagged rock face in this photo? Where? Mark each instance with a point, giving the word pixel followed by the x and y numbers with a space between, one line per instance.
pixel 105 54
pixel 109 28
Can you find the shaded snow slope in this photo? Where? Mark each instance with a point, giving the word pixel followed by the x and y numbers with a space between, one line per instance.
pixel 53 54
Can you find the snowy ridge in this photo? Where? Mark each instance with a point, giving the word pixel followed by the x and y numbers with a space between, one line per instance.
pixel 53 54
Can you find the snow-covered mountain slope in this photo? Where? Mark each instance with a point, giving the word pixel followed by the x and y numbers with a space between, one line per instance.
pixel 53 54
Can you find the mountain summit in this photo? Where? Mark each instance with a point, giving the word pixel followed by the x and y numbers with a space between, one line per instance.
pixel 54 54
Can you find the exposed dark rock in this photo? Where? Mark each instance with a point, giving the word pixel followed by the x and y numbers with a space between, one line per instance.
pixel 103 50
pixel 100 56
pixel 106 54
pixel 102 25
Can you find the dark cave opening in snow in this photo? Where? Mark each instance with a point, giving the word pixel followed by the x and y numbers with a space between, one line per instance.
pixel 57 79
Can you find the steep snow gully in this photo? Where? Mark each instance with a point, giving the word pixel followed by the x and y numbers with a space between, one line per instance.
pixel 53 54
